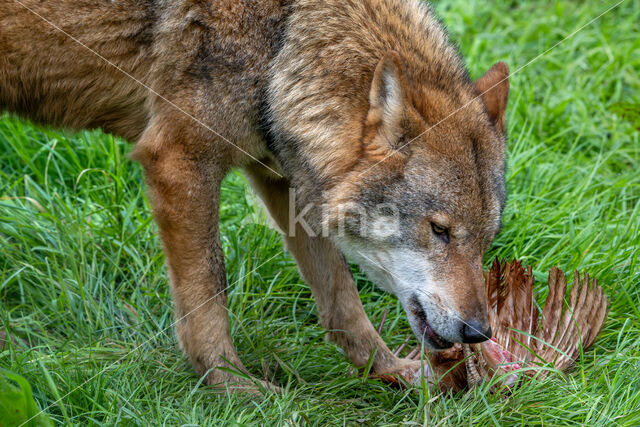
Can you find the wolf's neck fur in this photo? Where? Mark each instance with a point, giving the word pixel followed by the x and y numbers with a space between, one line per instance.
pixel 320 79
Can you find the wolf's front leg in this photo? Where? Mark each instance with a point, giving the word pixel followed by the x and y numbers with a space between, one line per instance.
pixel 326 271
pixel 185 197
pixel 340 309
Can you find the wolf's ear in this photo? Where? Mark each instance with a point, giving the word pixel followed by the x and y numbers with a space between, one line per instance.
pixel 493 87
pixel 387 98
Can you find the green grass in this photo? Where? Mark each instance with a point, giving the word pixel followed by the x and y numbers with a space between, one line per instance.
pixel 84 290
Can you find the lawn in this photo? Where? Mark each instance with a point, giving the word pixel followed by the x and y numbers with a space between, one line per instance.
pixel 84 291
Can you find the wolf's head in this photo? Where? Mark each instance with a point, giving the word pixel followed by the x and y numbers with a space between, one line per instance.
pixel 424 202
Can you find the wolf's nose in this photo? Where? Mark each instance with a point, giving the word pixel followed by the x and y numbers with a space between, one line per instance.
pixel 473 332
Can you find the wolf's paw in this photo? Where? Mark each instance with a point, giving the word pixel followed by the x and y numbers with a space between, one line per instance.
pixel 406 372
pixel 244 384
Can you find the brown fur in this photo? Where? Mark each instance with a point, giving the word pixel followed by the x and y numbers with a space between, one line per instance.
pixel 202 87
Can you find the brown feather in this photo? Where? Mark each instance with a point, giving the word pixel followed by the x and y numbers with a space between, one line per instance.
pixel 523 336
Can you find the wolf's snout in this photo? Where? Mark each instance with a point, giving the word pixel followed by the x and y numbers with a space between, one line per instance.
pixel 473 332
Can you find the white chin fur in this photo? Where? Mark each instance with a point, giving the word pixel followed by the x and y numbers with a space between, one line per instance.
pixel 403 272
pixel 400 271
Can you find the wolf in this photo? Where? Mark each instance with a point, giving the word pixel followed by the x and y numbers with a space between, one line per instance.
pixel 355 121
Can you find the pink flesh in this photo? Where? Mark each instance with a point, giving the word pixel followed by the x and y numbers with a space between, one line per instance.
pixel 497 357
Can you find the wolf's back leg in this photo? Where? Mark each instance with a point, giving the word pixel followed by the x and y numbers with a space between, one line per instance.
pixel 327 273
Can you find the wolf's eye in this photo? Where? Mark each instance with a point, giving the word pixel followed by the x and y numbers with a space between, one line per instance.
pixel 440 231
